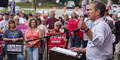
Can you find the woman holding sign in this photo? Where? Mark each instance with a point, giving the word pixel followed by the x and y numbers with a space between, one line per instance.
pixel 13 36
pixel 32 47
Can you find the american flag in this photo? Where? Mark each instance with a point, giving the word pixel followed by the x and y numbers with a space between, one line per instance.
pixel 109 5
pixel 83 6
pixel 12 8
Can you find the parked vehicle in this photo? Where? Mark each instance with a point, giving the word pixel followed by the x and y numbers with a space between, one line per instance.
pixel 70 5
pixel 115 6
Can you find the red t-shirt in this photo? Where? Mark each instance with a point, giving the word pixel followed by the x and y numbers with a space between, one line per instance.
pixel 73 24
pixel 33 35
pixel 1 19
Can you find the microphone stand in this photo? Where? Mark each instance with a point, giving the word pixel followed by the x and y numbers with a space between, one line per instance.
pixel 48 37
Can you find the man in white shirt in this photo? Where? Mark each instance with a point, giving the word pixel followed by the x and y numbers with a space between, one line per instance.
pixel 3 23
pixel 3 27
pixel 100 43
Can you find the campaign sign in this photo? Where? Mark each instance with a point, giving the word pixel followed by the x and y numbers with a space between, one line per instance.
pixel 14 48
pixel 1 41
pixel 57 40
pixel 1 47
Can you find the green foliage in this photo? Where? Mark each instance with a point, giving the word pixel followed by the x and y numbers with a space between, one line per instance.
pixel 29 5
pixel 115 1
pixel 104 1
pixel 24 5
pixel 28 11
pixel 4 10
pixel 47 5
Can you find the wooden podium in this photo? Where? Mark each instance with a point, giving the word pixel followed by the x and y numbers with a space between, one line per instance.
pixel 58 55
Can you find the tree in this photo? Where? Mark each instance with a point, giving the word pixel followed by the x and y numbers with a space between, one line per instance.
pixel 115 1
pixel 35 4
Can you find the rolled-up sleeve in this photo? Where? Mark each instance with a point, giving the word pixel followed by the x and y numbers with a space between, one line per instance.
pixel 99 35
pixel 98 39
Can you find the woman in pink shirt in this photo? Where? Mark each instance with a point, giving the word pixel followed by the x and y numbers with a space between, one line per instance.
pixel 33 33
pixel 75 37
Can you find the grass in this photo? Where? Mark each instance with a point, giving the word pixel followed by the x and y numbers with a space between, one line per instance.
pixel 44 6
pixel 28 11
pixel 29 5
pixel 24 5
pixel 4 10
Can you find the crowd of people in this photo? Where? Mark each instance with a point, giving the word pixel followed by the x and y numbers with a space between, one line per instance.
pixel 98 38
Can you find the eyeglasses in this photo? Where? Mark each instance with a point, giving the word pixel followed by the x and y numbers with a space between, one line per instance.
pixel 16 19
pixel 57 25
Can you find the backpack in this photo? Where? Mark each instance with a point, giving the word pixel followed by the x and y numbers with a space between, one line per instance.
pixel 111 25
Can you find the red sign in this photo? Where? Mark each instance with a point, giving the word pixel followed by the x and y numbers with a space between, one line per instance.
pixel 1 47
pixel 57 40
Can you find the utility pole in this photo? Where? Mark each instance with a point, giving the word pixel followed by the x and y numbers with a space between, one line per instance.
pixel 35 4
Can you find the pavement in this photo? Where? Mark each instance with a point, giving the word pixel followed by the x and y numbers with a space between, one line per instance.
pixel 59 12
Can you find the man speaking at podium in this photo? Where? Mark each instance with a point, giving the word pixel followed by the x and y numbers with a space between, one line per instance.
pixel 100 36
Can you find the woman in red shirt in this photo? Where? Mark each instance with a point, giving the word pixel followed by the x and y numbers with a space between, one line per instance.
pixel 75 37
pixel 33 33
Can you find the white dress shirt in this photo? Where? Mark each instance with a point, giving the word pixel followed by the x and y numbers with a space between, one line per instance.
pixel 100 47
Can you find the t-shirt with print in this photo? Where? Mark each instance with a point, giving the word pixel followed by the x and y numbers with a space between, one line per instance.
pixel 13 34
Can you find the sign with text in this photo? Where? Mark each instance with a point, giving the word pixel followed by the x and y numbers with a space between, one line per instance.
pixel 14 48
pixel 57 40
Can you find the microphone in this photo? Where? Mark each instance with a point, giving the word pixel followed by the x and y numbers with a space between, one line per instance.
pixel 75 30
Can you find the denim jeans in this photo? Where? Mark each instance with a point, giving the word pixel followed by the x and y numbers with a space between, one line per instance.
pixel 32 53
pixel 75 41
pixel 12 56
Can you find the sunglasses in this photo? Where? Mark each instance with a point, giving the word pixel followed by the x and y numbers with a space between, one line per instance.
pixel 16 19
pixel 87 9
pixel 57 25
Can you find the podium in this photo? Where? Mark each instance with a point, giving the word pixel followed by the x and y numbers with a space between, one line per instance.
pixel 57 53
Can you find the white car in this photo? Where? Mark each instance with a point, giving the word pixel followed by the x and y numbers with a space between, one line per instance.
pixel 1 8
pixel 17 9
pixel 115 6
pixel 70 5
